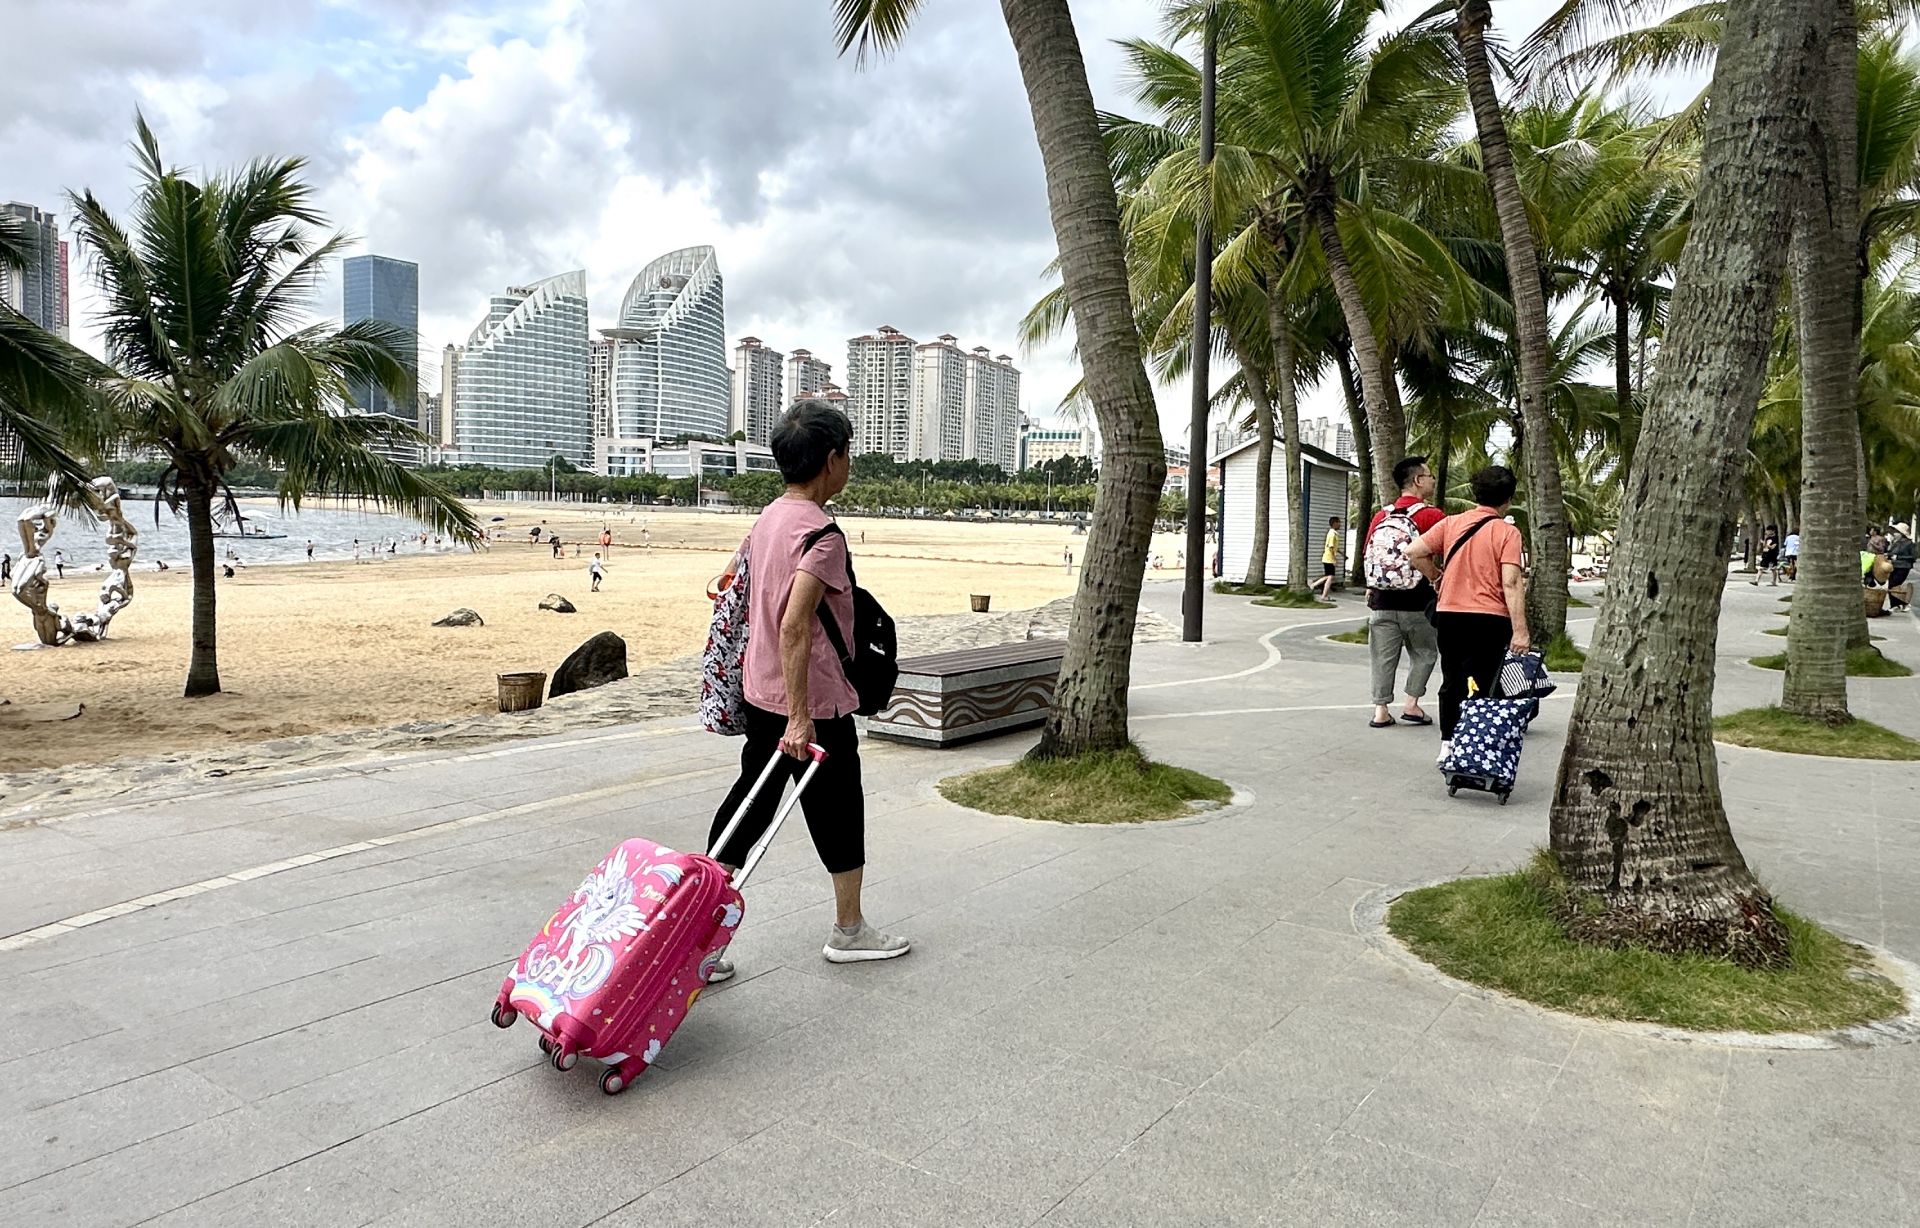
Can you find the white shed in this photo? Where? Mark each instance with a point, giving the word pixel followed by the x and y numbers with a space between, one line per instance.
pixel 1323 481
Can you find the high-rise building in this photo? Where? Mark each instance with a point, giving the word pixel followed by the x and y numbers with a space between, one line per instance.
pixel 521 384
pixel 992 433
pixel 937 429
pixel 669 359
pixel 756 389
pixel 1038 444
pixel 600 384
pixel 443 435
pixel 388 290
pixel 880 391
pixel 807 375
pixel 39 291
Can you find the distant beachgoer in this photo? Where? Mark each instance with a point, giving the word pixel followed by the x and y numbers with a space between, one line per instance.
pixel 596 571
pixel 1790 555
pixel 576 550
pixel 60 563
pixel 863 537
pixel 533 534
pixel 309 552
pixel 393 545
pixel 6 568
pixel 1066 556
pixel 1901 552
pixel 606 537
pixel 556 547
pixel 228 568
pixel 159 564
pixel 1769 558
pixel 356 550
pixel 1331 555
pixel 646 537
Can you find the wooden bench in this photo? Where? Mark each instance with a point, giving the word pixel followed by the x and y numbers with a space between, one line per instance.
pixel 951 697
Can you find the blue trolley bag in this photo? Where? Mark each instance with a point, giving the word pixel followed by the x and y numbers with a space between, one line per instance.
pixel 1485 755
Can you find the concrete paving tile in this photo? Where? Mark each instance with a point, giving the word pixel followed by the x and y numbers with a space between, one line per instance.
pixel 910 1197
pixel 1332 909
pixel 47 1019
pixel 1353 1181
pixel 1508 1026
pixel 981 978
pixel 1038 1144
pixel 1192 1167
pixel 1185 1032
pixel 1511 1205
pixel 737 1015
pixel 1315 1066
pixel 789 1173
pixel 159 1175
pixel 79 1129
pixel 320 1191
pixel 1456 1102
pixel 1287 963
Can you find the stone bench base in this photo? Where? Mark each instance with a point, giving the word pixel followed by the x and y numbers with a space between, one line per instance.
pixel 952 697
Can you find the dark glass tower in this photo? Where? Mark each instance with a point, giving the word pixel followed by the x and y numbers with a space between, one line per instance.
pixel 382 288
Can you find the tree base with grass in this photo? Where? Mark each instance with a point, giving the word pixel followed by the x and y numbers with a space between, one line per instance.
pixel 1778 729
pixel 1288 599
pixel 1563 656
pixel 1861 663
pixel 1514 933
pixel 1121 786
pixel 1356 636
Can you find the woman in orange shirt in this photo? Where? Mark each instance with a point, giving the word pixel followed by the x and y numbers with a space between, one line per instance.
pixel 1482 611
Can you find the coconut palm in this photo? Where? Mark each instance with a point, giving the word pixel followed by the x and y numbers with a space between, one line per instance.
pixel 1638 823
pixel 203 294
pixel 1089 710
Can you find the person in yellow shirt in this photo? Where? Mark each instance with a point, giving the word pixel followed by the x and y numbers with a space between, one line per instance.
pixel 1332 554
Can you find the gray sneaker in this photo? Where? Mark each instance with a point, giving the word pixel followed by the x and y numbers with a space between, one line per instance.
pixel 864 944
pixel 722 971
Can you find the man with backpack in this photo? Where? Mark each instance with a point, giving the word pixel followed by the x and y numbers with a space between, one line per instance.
pixel 797 689
pixel 1398 595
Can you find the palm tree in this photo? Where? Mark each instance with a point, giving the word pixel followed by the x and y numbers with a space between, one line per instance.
pixel 202 299
pixel 1638 823
pixel 1089 711
pixel 45 400
pixel 1547 519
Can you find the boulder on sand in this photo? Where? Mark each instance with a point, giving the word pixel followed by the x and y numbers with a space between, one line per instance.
pixel 600 660
pixel 462 617
pixel 556 603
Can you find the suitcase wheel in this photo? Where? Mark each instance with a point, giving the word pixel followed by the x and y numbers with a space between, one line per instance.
pixel 613 1081
pixel 546 1045
pixel 504 1016
pixel 1452 790
pixel 564 1059
pixel 1503 798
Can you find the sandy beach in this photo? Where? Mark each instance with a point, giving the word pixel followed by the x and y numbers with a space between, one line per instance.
pixel 316 648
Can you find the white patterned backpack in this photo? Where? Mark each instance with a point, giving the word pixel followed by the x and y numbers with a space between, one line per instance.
pixel 723 699
pixel 1386 564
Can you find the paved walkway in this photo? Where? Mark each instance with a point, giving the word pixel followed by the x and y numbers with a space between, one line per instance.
pixel 1175 1024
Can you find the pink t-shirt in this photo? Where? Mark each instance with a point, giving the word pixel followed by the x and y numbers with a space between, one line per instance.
pixel 776 539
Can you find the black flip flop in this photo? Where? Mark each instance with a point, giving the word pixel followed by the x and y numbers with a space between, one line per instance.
pixel 1380 724
pixel 1422 719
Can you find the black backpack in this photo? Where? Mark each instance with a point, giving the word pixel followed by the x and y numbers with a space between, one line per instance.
pixel 872 666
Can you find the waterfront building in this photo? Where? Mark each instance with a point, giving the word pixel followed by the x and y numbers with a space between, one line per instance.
pixel 936 431
pixel 757 403
pixel 39 291
pixel 520 385
pixel 880 391
pixel 807 375
pixel 992 430
pixel 668 364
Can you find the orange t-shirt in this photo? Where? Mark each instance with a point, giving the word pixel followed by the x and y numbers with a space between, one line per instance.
pixel 1471 583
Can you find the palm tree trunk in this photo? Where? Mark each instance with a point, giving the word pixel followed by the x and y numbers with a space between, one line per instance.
pixel 1857 634
pixel 1286 400
pixel 1623 375
pixel 1752 535
pixel 1386 424
pixel 1362 447
pixel 1090 704
pixel 1442 462
pixel 203 667
pixel 1256 385
pixel 1638 822
pixel 1546 503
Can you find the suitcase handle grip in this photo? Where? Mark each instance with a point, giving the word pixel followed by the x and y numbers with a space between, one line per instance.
pixel 816 756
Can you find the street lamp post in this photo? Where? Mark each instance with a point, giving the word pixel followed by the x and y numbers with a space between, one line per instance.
pixel 1196 577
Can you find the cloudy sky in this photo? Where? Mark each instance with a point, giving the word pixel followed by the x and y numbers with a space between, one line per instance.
pixel 498 141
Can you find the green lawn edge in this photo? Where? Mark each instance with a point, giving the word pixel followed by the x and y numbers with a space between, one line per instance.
pixel 1121 786
pixel 1503 933
pixel 1563 656
pixel 1782 632
pixel 1861 663
pixel 1772 728
pixel 1356 636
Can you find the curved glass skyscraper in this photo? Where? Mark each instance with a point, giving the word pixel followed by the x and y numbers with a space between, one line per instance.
pixel 670 351
pixel 521 394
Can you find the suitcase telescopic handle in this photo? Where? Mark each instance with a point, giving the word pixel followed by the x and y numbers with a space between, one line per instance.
pixel 816 756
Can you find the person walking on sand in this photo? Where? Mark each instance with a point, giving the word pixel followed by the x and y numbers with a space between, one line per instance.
pixel 595 571
pixel 1398 595
pixel 795 687
pixel 6 568
pixel 1473 559
pixel 309 552
pixel 1769 558
pixel 60 564
pixel 1332 554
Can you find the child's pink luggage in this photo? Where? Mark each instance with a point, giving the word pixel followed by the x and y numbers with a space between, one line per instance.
pixel 619 965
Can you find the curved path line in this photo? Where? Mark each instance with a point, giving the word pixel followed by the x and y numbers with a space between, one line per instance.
pixel 1274 657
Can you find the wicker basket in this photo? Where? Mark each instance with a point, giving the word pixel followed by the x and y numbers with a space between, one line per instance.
pixel 980 602
pixel 521 692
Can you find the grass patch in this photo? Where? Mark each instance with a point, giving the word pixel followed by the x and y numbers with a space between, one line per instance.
pixel 1110 787
pixel 1356 636
pixel 1574 603
pixel 1230 589
pixel 1503 932
pixel 1861 663
pixel 1563 656
pixel 1782 631
pixel 1774 729
pixel 1287 599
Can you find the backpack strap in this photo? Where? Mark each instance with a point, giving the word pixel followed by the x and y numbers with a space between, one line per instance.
pixel 1462 540
pixel 825 615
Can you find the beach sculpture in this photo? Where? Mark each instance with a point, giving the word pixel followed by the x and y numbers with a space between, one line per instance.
pixel 37 524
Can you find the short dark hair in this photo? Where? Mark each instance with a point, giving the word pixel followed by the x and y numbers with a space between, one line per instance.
pixel 1494 486
pixel 1403 472
pixel 806 435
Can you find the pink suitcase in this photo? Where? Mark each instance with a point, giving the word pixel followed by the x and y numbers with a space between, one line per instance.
pixel 620 963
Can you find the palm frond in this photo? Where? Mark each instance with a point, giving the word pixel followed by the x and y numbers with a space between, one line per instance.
pixel 874 27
